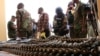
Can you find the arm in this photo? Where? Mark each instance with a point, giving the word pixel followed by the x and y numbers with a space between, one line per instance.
pixel 64 22
pixel 18 19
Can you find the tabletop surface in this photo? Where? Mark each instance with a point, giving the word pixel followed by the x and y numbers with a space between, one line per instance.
pixel 3 53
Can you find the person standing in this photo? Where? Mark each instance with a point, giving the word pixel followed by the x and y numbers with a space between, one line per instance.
pixel 23 22
pixel 43 23
pixel 70 16
pixel 12 28
pixel 80 21
pixel 60 23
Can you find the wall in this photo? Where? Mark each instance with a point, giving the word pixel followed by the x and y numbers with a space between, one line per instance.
pixel 2 21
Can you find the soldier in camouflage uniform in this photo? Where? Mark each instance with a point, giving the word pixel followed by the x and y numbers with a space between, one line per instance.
pixel 80 22
pixel 23 21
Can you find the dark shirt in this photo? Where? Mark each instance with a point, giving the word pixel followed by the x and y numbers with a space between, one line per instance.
pixel 70 18
pixel 11 30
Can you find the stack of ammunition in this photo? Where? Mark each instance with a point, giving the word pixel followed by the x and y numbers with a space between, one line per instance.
pixel 54 47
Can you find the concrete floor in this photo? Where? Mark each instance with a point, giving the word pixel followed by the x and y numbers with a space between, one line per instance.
pixel 2 53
